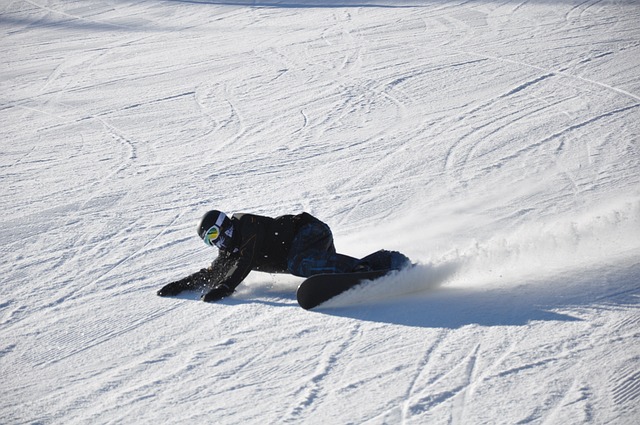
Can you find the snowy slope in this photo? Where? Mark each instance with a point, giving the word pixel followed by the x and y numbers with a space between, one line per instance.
pixel 497 143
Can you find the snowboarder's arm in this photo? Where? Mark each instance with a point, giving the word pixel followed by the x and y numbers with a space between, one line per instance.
pixel 231 270
pixel 220 279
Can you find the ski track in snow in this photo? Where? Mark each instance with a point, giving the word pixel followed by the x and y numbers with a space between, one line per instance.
pixel 495 143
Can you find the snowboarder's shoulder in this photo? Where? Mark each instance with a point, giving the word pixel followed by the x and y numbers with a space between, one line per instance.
pixel 247 216
pixel 250 223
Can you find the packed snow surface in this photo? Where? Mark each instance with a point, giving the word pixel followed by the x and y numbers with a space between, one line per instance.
pixel 496 143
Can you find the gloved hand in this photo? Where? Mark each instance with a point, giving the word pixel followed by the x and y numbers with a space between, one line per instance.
pixel 174 288
pixel 195 281
pixel 217 293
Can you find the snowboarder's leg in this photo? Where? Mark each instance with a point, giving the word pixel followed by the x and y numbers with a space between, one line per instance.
pixel 312 263
pixel 313 252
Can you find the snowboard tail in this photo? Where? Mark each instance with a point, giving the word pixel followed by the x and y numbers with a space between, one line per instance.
pixel 319 288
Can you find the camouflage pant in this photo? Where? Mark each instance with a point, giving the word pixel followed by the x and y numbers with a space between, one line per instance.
pixel 313 252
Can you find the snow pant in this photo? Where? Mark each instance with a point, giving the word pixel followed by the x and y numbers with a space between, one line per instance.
pixel 313 252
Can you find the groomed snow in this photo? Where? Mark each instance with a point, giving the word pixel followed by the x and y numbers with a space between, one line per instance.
pixel 496 143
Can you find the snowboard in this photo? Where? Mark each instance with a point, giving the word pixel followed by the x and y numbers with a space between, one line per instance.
pixel 321 287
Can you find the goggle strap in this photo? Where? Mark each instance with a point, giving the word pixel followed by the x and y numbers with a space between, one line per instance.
pixel 220 220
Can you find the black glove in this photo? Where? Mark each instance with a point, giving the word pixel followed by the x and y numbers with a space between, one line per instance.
pixel 174 288
pixel 189 283
pixel 217 293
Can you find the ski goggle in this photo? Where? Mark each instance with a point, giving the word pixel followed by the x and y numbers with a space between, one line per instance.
pixel 214 236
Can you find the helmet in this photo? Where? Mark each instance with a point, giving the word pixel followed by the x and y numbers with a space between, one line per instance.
pixel 216 229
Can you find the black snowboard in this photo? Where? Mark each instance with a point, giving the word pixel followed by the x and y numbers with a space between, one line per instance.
pixel 319 288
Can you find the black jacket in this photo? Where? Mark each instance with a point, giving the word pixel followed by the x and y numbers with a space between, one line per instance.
pixel 259 243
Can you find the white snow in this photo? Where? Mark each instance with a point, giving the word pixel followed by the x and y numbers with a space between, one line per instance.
pixel 497 143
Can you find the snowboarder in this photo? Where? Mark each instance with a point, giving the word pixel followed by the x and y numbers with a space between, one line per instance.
pixel 298 244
